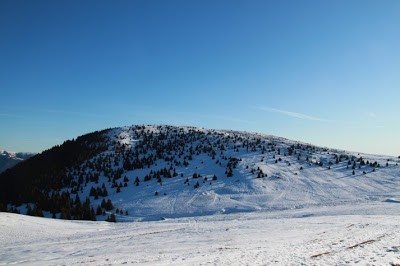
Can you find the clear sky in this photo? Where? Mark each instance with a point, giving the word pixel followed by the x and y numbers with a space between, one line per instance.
pixel 323 72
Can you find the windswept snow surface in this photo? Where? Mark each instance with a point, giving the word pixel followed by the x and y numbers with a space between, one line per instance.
pixel 316 236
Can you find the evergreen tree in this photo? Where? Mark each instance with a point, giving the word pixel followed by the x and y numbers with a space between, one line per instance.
pixel 103 203
pixel 99 210
pixel 109 206
pixel 113 219
pixel 92 215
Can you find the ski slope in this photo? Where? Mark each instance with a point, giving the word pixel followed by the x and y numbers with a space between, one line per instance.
pixel 290 182
pixel 316 236
pixel 267 173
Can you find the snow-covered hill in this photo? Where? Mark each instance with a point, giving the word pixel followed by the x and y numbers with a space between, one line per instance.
pixel 268 173
pixel 212 197
pixel 158 172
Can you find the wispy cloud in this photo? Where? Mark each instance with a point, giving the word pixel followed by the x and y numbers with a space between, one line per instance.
pixel 352 124
pixel 293 114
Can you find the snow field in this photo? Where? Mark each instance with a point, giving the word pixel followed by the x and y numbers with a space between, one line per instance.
pixel 238 239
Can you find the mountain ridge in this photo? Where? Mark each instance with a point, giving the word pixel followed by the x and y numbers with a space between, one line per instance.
pixel 9 159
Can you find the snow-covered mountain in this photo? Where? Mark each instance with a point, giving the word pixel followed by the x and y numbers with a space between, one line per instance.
pixel 160 172
pixel 237 198
pixel 9 159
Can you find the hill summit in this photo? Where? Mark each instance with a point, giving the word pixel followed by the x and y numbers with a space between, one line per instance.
pixel 156 172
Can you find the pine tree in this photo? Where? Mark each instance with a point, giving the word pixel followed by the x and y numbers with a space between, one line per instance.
pixel 109 206
pixel 65 214
pixel 92 215
pixel 103 203
pixel 99 210
pixel 111 218
pixel 104 192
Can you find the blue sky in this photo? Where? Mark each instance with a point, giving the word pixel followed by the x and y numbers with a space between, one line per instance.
pixel 323 72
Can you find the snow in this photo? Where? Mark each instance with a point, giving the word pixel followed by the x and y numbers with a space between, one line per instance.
pixel 316 236
pixel 299 213
pixel 16 155
pixel 285 187
pixel 9 159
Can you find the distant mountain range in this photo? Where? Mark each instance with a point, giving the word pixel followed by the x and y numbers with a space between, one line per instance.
pixel 157 172
pixel 9 159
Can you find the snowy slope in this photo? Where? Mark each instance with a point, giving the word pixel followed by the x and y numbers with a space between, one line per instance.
pixel 285 186
pixel 268 174
pixel 273 202
pixel 315 237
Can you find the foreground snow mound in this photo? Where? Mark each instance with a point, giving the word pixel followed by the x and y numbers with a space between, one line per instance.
pixel 235 239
